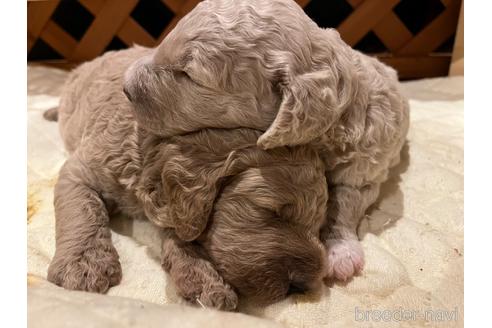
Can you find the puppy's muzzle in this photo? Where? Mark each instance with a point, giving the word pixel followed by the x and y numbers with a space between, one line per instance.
pixel 133 76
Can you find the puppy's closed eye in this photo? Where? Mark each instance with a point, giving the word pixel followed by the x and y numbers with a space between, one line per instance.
pixel 179 73
pixel 188 76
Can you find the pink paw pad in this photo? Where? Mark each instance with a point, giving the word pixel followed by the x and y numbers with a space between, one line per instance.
pixel 345 258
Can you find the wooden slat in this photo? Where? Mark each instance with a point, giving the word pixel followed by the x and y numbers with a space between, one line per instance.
pixel 93 6
pixel 457 66
pixel 130 32
pixel 169 28
pixel 38 14
pixel 30 42
pixel 392 32
pixel 419 67
pixel 355 3
pixel 448 3
pixel 187 6
pixel 58 39
pixel 303 3
pixel 112 18
pixel 363 19
pixel 434 34
pixel 107 22
pixel 174 5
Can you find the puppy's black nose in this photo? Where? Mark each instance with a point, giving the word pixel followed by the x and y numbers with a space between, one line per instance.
pixel 127 94
pixel 296 288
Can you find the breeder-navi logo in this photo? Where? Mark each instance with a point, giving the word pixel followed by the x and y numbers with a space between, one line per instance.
pixel 402 314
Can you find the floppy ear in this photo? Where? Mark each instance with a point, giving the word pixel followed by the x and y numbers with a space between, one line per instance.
pixel 192 177
pixel 311 102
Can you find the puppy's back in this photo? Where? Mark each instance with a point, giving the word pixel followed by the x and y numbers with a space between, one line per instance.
pixel 93 94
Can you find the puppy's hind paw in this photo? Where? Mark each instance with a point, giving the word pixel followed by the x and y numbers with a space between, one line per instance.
pixel 95 270
pixel 345 258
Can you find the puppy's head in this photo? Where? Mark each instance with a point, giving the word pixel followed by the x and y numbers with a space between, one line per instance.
pixel 167 101
pixel 263 234
pixel 208 74
pixel 264 209
pixel 263 65
pixel 180 88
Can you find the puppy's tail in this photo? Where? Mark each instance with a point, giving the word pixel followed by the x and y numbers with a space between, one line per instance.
pixel 51 114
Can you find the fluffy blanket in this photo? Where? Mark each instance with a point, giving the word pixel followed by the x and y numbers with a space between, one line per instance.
pixel 412 238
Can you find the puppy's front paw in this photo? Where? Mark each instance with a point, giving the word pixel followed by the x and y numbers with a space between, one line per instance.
pixel 345 258
pixel 219 296
pixel 199 283
pixel 95 270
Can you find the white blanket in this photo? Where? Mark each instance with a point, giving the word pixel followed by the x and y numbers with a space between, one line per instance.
pixel 413 239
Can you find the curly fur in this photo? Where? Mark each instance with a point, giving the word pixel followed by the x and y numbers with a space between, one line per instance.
pixel 264 64
pixel 260 64
pixel 215 184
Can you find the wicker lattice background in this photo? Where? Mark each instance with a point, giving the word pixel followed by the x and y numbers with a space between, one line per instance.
pixel 414 36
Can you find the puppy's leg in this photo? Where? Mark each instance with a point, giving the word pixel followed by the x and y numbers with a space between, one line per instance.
pixel 85 258
pixel 346 207
pixel 195 278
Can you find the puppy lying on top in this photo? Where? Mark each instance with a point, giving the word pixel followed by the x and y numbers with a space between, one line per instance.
pixel 265 64
pixel 254 215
